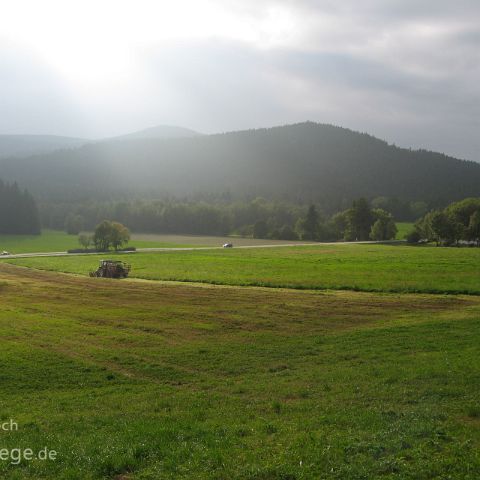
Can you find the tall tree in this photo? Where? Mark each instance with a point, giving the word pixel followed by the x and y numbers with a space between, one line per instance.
pixel 260 229
pixel 119 235
pixel 442 227
pixel 310 224
pixel 101 236
pixel 110 234
pixel 474 227
pixel 384 227
pixel 360 219
pixel 18 211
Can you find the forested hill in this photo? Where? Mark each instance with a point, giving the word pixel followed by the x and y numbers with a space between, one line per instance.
pixel 18 210
pixel 307 161
pixel 158 132
pixel 25 145
pixel 22 145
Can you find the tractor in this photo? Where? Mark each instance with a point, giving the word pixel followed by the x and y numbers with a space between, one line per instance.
pixel 111 269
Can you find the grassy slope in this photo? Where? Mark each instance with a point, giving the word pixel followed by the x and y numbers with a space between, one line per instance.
pixel 346 267
pixel 137 380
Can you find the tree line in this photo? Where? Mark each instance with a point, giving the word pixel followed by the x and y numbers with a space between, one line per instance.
pixel 211 215
pixel 258 218
pixel 360 222
pixel 458 223
pixel 18 210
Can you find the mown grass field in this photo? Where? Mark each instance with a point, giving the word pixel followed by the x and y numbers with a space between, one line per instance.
pixel 367 267
pixel 150 380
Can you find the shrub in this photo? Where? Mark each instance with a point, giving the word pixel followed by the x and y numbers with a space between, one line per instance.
pixel 413 236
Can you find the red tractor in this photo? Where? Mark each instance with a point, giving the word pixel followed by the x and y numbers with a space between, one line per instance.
pixel 111 269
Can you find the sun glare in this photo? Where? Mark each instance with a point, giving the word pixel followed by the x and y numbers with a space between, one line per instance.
pixel 93 42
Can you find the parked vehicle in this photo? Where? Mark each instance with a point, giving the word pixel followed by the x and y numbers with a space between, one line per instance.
pixel 5 253
pixel 227 245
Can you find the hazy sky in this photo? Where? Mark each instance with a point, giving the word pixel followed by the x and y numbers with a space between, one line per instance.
pixel 407 71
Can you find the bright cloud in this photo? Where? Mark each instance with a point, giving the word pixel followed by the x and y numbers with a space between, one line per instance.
pixel 404 70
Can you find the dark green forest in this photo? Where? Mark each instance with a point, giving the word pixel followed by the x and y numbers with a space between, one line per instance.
pixel 298 164
pixel 258 218
pixel 18 210
pixel 458 223
pixel 256 182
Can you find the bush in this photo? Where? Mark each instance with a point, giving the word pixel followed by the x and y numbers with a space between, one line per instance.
pixel 94 250
pixel 413 236
pixel 83 250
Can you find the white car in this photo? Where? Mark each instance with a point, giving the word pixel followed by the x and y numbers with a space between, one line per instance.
pixel 227 245
pixel 6 253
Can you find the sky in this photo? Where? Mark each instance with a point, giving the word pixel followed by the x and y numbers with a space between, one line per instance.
pixel 402 70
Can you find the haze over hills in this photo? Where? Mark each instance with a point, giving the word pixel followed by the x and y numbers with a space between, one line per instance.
pixel 158 132
pixel 301 162
pixel 26 145
pixel 23 145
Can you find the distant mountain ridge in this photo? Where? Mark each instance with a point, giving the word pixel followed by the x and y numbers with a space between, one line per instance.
pixel 26 145
pixel 23 145
pixel 158 132
pixel 302 162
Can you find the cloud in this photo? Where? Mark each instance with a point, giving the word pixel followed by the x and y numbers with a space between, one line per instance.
pixel 404 70
pixel 32 97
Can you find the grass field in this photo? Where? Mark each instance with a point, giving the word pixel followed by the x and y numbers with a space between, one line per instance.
pixel 144 380
pixel 340 372
pixel 371 267
pixel 56 241
pixel 402 229
pixel 48 241
pixel 208 241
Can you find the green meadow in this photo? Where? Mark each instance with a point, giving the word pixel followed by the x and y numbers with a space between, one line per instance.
pixel 362 267
pixel 57 241
pixel 361 363
pixel 403 228
pixel 48 241
pixel 151 380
